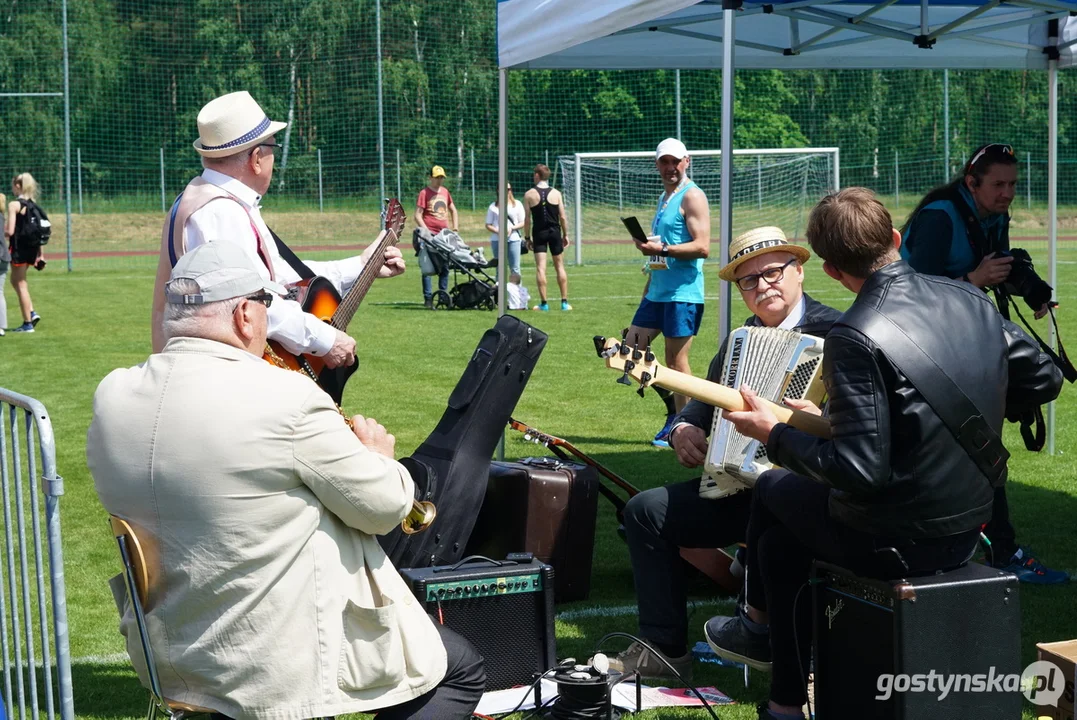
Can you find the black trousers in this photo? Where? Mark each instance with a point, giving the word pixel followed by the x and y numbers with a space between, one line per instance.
pixel 657 523
pixel 458 693
pixel 999 531
pixel 790 526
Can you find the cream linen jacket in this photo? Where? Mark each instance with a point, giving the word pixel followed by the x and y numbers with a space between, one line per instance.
pixel 269 595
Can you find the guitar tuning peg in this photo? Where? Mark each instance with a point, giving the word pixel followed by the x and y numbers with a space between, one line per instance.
pixel 527 437
pixel 624 378
pixel 636 354
pixel 624 335
pixel 640 391
pixel 648 355
pixel 644 380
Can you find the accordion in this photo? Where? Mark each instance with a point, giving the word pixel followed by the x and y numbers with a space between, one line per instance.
pixel 778 364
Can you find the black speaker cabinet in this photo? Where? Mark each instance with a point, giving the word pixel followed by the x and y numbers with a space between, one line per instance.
pixel 964 624
pixel 504 608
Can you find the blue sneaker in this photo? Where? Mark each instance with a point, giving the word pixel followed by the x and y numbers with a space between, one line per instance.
pixel 544 307
pixel 24 328
pixel 662 438
pixel 565 306
pixel 34 318
pixel 1030 570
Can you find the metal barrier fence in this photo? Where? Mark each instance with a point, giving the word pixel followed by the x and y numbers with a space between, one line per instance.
pixel 23 555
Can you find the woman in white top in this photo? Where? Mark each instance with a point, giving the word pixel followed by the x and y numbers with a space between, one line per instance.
pixel 515 222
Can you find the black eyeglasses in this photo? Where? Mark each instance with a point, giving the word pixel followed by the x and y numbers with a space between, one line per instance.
pixel 276 148
pixel 264 298
pixel 1007 149
pixel 772 275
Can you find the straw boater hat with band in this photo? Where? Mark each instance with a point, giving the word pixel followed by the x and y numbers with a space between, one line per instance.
pixel 231 124
pixel 759 242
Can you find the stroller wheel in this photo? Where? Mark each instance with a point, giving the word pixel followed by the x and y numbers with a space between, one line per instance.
pixel 442 300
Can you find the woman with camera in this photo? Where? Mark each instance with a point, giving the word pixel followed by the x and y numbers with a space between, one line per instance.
pixel 962 230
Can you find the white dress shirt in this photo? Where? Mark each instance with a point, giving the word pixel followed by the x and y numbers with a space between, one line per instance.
pixel 297 331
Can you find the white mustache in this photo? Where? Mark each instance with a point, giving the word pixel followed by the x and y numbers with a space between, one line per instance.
pixel 770 293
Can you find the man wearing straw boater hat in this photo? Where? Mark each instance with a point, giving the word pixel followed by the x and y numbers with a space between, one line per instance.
pixel 237 142
pixel 768 270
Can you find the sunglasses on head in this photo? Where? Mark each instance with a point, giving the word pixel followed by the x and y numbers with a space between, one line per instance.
pixel 1006 149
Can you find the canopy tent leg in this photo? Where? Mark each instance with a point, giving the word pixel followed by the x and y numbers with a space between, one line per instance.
pixel 502 183
pixel 725 219
pixel 1052 213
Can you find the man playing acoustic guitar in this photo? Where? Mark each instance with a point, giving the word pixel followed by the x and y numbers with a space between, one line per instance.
pixel 237 144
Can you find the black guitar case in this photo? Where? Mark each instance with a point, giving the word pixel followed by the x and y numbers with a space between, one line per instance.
pixel 452 465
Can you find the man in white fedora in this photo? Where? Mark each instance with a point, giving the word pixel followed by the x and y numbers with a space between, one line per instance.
pixel 767 269
pixel 236 140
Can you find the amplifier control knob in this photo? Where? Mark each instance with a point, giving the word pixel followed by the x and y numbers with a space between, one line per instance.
pixel 484 587
pixel 441 593
pixel 467 589
pixel 459 590
pixel 475 589
pixel 501 586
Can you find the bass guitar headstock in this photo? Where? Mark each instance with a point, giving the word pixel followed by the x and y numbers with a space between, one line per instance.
pixel 631 361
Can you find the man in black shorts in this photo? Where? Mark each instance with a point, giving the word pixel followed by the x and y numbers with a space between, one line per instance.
pixel 544 213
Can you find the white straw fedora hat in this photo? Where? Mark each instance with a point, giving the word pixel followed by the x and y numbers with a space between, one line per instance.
pixel 757 242
pixel 233 123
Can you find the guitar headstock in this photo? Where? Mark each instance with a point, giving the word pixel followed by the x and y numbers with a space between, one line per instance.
pixel 533 435
pixel 394 217
pixel 639 364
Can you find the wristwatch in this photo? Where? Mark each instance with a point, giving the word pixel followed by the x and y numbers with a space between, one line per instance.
pixel 665 250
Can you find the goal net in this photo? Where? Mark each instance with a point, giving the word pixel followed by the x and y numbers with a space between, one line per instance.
pixel 770 187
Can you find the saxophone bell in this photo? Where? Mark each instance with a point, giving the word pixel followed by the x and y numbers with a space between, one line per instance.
pixel 421 516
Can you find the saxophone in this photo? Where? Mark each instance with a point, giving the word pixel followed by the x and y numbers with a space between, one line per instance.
pixel 422 512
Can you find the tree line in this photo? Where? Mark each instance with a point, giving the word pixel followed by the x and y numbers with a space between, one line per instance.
pixel 141 69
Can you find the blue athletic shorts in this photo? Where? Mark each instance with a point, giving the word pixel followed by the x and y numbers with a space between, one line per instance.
pixel 673 319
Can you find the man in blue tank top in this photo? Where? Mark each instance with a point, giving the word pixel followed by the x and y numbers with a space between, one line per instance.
pixel 679 242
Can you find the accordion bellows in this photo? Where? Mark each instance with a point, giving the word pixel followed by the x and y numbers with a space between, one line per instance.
pixel 778 364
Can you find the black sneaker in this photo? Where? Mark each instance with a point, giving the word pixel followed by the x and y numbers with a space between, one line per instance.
pixel 729 638
pixel 764 712
pixel 428 303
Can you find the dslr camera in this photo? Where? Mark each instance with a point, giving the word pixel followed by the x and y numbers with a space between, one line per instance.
pixel 1023 280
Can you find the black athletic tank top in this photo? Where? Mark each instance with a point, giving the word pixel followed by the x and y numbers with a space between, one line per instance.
pixel 545 215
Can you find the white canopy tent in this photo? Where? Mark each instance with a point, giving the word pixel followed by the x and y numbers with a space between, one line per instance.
pixel 786 34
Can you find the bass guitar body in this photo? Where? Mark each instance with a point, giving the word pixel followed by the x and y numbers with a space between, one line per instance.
pixel 318 297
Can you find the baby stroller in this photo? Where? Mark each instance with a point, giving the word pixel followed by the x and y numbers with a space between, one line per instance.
pixel 447 250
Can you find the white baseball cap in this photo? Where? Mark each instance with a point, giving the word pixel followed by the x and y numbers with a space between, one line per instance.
pixel 671 146
pixel 222 271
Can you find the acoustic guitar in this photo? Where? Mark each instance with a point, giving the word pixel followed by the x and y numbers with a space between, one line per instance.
pixel 320 298
pixel 712 562
pixel 643 367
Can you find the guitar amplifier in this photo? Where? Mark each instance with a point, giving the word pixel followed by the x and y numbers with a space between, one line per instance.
pixel 505 609
pixel 925 647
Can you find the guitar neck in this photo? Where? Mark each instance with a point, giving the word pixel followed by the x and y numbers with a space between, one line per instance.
pixel 729 399
pixel 350 302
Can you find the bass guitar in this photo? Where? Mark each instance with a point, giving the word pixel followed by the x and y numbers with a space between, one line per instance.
pixel 320 298
pixel 642 367
pixel 712 562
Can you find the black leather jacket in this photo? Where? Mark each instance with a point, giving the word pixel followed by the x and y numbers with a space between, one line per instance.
pixel 895 469
pixel 816 321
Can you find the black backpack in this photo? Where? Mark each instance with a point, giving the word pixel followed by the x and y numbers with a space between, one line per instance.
pixel 36 228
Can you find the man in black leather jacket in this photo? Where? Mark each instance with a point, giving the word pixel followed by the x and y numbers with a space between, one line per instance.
pixel 892 474
pixel 658 522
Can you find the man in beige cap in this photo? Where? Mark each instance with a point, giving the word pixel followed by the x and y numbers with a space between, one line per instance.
pixel 236 140
pixel 767 269
pixel 271 596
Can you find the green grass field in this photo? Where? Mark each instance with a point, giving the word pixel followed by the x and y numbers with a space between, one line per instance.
pixel 94 321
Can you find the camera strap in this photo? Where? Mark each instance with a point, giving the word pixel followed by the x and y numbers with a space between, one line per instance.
pixel 1061 359
pixel 950 403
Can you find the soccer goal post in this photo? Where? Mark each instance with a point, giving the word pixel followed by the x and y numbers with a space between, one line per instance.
pixel 770 187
